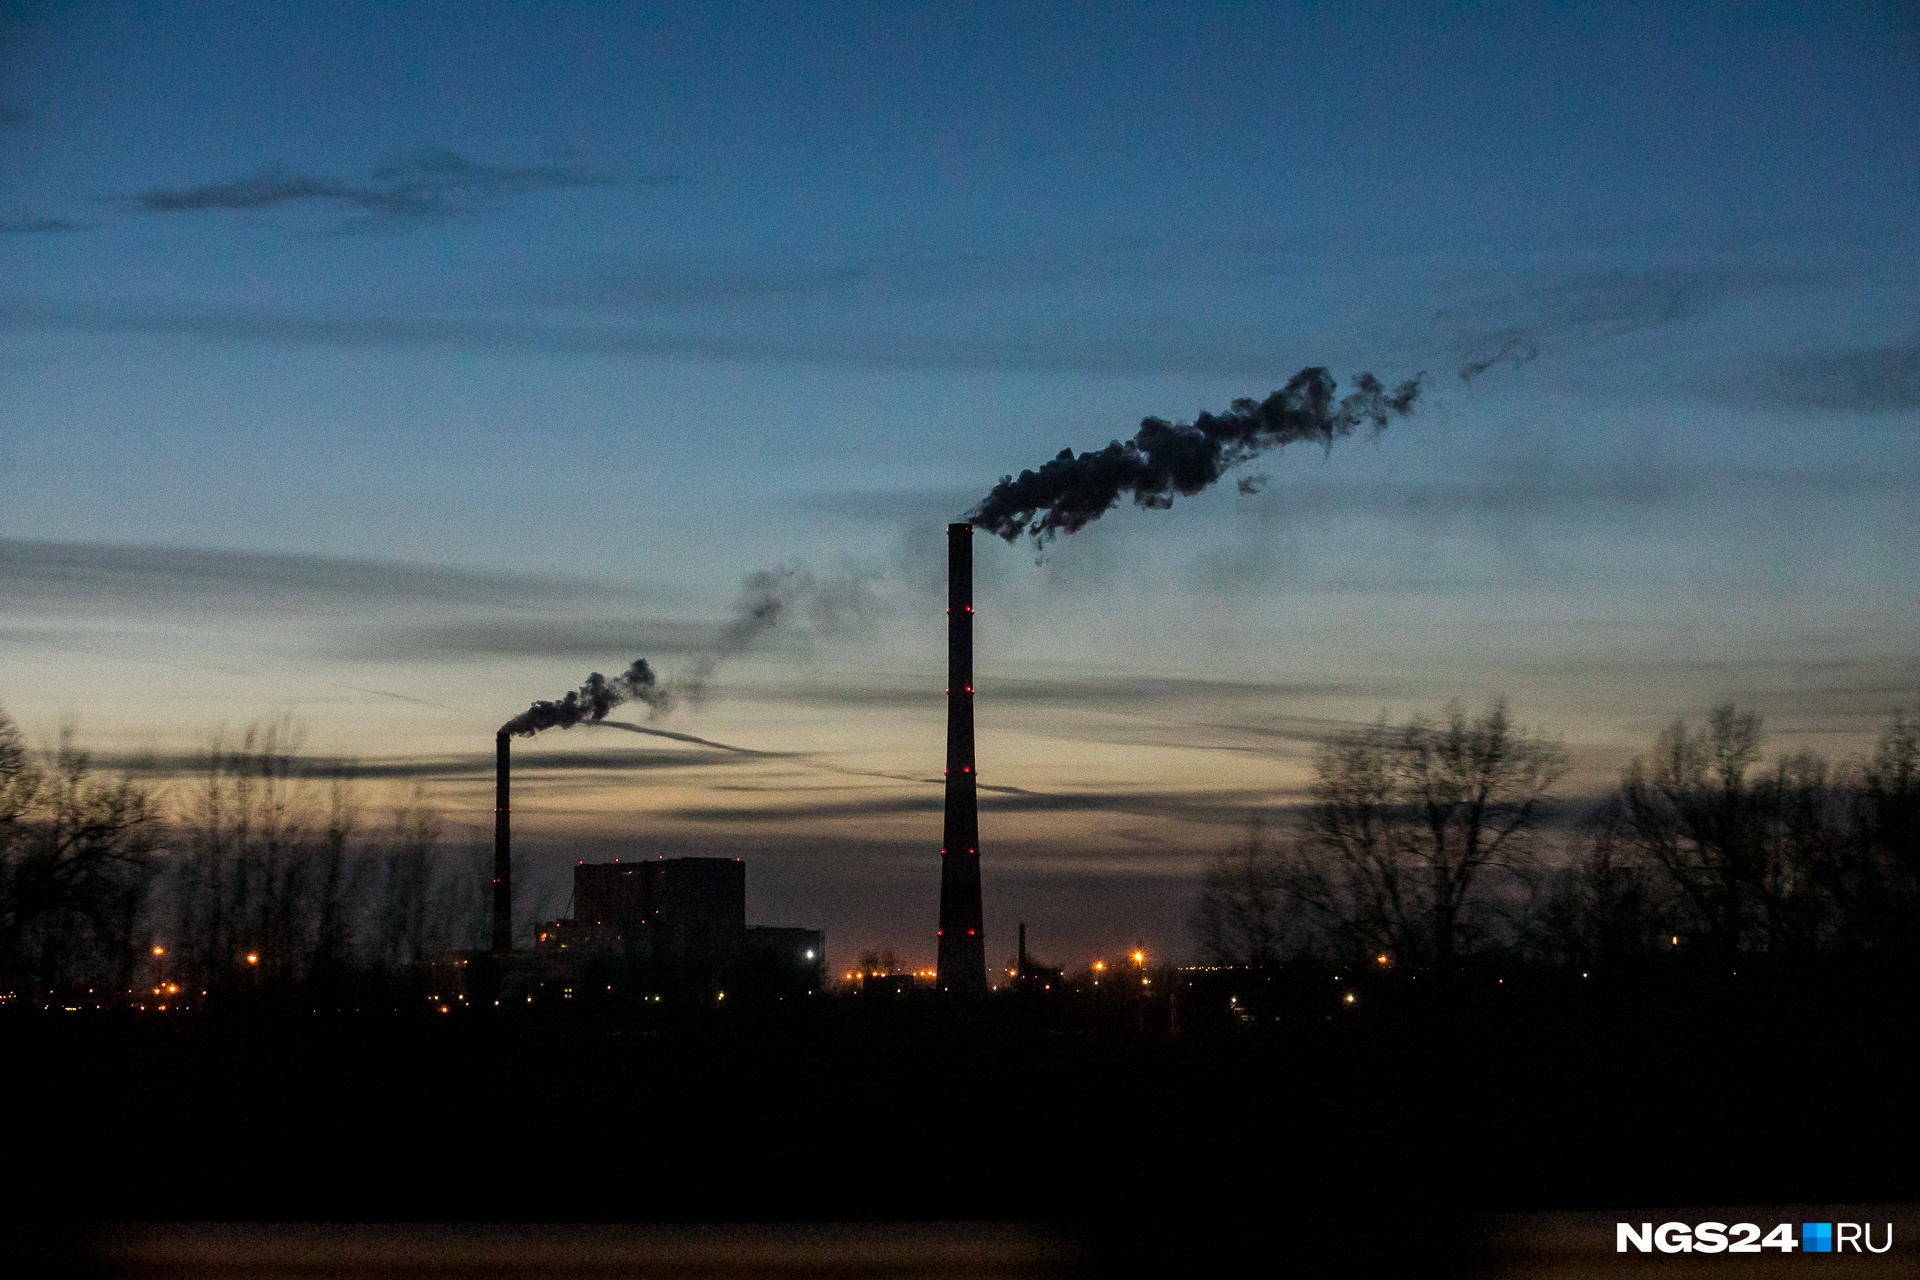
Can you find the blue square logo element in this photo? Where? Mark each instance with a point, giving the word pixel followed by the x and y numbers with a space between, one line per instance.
pixel 1816 1237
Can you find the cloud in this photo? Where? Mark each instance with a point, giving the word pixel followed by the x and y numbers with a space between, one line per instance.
pixel 12 118
pixel 1191 806
pixel 883 279
pixel 526 763
pixel 1871 379
pixel 28 224
pixel 105 576
pixel 590 638
pixel 1493 326
pixel 433 183
pixel 1102 692
pixel 1053 353
pixel 1558 490
pixel 890 506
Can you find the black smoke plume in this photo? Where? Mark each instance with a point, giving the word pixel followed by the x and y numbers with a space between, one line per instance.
pixel 591 702
pixel 1164 458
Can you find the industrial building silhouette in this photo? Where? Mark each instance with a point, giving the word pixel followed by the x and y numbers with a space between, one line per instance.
pixel 673 927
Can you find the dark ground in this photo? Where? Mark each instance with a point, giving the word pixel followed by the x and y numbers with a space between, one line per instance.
pixel 1337 1144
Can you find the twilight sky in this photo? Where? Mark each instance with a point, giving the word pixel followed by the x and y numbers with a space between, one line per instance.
pixel 389 366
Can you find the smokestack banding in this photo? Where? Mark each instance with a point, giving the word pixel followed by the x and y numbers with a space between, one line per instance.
pixel 1163 459
pixel 588 704
pixel 962 962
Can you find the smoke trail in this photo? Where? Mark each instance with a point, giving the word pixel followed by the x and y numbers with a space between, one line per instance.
pixel 765 598
pixel 1517 348
pixel 591 701
pixel 1071 491
pixel 768 597
pixel 675 736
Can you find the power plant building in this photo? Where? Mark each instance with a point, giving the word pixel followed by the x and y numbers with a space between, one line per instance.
pixel 679 926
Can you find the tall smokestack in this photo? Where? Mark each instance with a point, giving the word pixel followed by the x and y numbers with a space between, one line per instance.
pixel 963 945
pixel 502 846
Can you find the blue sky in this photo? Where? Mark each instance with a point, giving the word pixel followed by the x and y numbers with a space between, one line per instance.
pixel 393 365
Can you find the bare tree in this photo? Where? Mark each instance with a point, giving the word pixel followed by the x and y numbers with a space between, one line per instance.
pixel 1599 910
pixel 1404 825
pixel 1249 912
pixel 1890 801
pixel 76 863
pixel 404 922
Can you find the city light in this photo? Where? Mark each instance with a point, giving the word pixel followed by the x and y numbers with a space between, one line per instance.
pixel 159 950
pixel 1349 997
pixel 1381 959
pixel 253 957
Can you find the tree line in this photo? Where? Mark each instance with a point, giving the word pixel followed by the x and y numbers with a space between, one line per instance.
pixel 1430 846
pixel 266 873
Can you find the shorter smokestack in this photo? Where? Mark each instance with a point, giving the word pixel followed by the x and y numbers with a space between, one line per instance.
pixel 502 846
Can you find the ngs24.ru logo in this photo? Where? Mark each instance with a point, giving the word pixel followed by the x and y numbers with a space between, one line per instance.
pixel 1745 1237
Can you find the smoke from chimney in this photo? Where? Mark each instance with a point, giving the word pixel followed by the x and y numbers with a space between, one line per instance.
pixel 1164 458
pixel 768 597
pixel 589 704
pixel 591 701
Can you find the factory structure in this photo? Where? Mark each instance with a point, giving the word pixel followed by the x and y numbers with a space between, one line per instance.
pixel 677 927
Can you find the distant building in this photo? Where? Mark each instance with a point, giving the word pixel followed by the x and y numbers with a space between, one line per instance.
pixel 674 926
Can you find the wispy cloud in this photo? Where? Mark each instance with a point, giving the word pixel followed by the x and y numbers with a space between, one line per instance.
pixel 1056 353
pixel 431 184
pixel 1189 806
pixel 591 638
pixel 1095 691
pixel 97 575
pixel 1565 491
pixel 1512 323
pixel 1883 378
pixel 29 224
pixel 431 768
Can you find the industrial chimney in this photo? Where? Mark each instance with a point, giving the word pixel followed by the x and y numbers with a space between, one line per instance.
pixel 502 847
pixel 962 962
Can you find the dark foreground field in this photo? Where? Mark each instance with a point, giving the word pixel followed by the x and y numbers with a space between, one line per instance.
pixel 1390 1143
